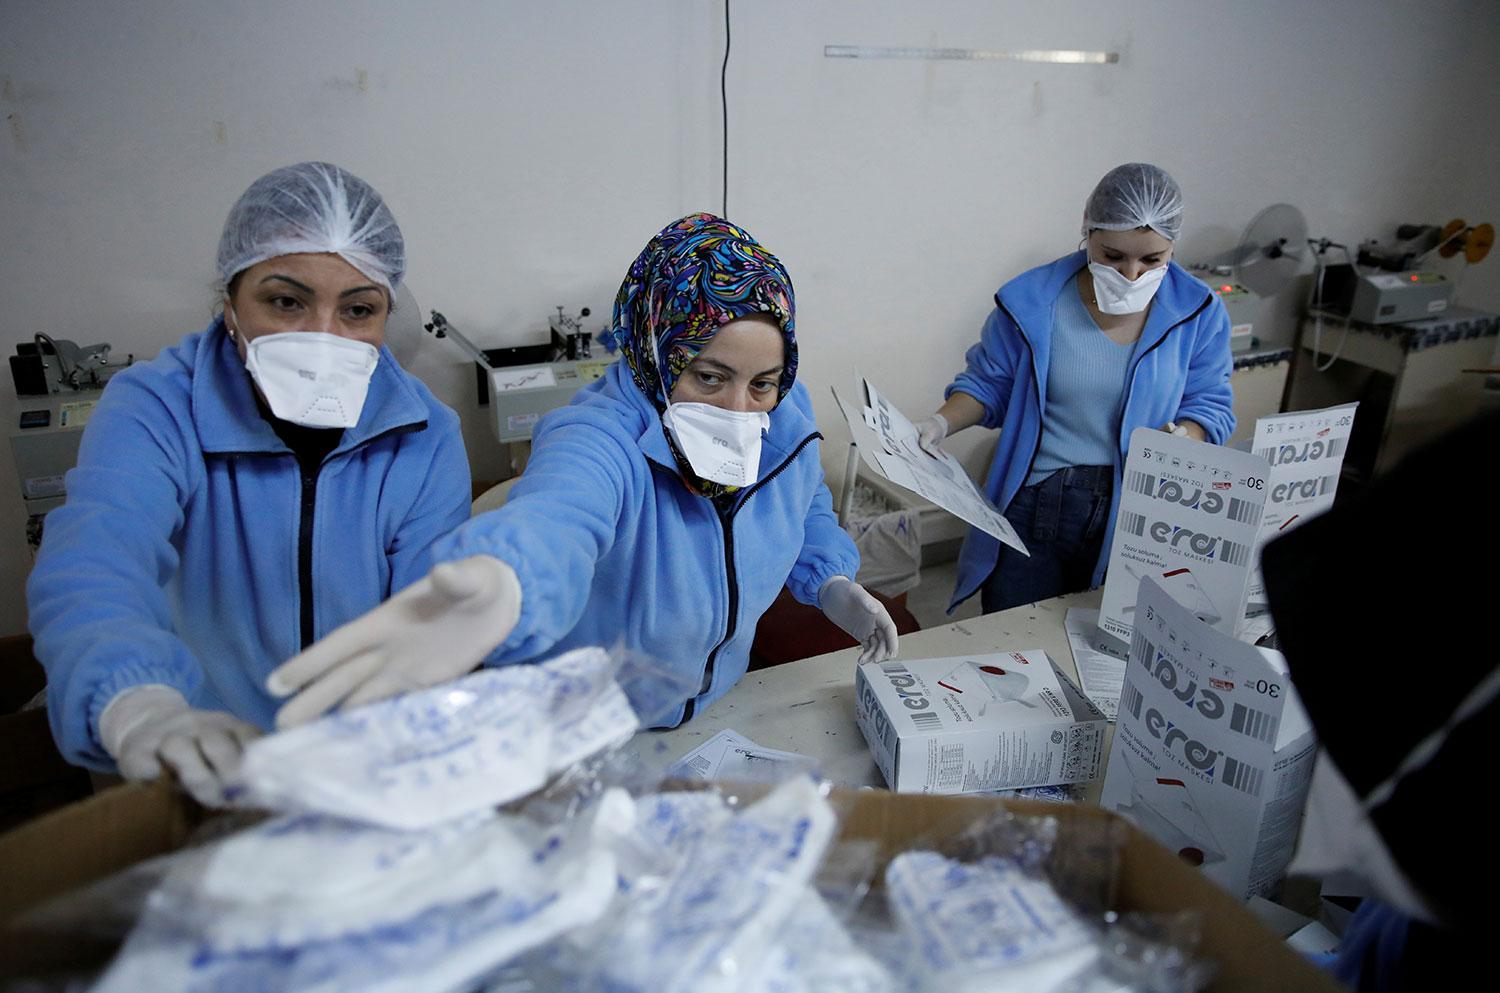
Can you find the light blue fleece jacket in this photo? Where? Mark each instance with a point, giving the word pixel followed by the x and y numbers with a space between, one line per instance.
pixel 1180 370
pixel 610 546
pixel 174 559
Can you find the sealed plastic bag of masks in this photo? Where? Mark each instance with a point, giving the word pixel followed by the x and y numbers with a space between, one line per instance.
pixel 721 894
pixel 307 894
pixel 441 753
pixel 311 903
pixel 1019 902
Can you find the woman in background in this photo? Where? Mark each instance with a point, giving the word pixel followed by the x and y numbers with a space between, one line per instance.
pixel 1076 355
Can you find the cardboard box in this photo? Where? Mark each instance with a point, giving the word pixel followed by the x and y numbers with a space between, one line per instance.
pixel 972 724
pixel 1213 753
pixel 34 777
pixel 128 824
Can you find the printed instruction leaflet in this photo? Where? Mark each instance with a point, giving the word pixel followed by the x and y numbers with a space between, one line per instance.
pixel 887 442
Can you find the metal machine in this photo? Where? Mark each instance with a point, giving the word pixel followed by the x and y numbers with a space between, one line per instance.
pixel 522 382
pixel 1390 283
pixel 57 387
pixel 1268 257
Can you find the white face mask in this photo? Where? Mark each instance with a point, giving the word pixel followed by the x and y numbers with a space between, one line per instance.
pixel 312 378
pixel 722 446
pixel 1114 294
pixel 1341 845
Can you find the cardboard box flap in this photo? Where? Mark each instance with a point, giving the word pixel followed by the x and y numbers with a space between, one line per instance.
pixel 89 840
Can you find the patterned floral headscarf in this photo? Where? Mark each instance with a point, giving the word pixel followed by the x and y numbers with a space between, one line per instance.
pixel 698 274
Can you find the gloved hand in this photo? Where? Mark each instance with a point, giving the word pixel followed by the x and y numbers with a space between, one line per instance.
pixel 931 432
pixel 1173 428
pixel 147 728
pixel 437 629
pixel 851 607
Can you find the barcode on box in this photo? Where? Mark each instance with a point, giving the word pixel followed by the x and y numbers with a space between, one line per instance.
pixel 1336 447
pixel 1133 523
pixel 927 722
pixel 1244 511
pixel 1131 700
pixel 1242 777
pixel 1253 723
pixel 1141 482
pixel 1141 648
pixel 1234 553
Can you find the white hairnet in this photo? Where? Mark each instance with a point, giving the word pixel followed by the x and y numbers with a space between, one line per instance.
pixel 313 207
pixel 1135 195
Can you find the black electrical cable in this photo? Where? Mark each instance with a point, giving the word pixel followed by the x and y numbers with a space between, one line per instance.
pixel 724 105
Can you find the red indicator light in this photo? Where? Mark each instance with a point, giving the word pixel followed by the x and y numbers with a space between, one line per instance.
pixel 1226 289
pixel 1414 279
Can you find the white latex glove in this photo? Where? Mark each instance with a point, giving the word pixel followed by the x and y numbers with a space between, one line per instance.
pixel 931 432
pixel 1173 428
pixel 437 629
pixel 851 607
pixel 148 728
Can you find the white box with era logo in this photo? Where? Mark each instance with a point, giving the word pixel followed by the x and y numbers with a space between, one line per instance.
pixel 976 723
pixel 1189 519
pixel 1305 452
pixel 1213 752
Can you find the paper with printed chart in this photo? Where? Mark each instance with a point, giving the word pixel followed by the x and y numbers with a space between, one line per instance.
pixel 887 441
pixel 1213 753
pixel 1189 519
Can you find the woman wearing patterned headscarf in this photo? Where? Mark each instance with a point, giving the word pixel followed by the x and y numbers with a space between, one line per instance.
pixel 664 509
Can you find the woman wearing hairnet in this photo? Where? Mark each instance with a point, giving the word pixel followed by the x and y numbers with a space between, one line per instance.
pixel 1077 354
pixel 249 490
pixel 664 509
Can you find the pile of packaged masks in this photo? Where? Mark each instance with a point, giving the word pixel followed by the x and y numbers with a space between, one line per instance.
pixel 489 835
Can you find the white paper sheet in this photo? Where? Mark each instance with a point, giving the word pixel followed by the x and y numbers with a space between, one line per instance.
pixel 1100 674
pixel 731 756
pixel 887 441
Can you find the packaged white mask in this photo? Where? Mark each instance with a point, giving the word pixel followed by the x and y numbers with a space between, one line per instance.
pixel 441 753
pixel 311 378
pixel 986 925
pixel 1114 294
pixel 722 446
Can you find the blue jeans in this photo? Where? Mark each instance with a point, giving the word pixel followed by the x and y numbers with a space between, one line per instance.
pixel 1062 520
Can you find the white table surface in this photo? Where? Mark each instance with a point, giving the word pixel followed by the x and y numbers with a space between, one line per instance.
pixel 808 706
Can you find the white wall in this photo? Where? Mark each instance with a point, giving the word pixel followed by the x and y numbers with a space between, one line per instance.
pixel 529 150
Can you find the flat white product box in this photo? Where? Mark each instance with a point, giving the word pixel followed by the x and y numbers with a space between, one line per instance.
pixel 976 723
pixel 1189 519
pixel 1305 450
pixel 1213 753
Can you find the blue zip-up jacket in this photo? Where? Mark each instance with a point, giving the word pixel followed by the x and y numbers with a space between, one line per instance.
pixel 175 558
pixel 609 544
pixel 1179 370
